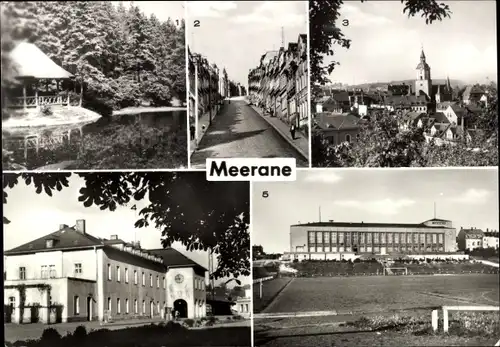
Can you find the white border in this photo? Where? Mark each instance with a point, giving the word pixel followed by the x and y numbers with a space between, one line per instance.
pixel 251 263
pixel 188 89
pixel 309 82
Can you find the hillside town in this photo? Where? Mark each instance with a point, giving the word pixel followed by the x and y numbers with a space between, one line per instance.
pixel 446 112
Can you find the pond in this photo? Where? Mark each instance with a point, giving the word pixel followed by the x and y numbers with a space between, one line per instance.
pixel 38 141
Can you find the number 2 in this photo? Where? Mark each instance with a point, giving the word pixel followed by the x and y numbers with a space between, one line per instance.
pixel 196 23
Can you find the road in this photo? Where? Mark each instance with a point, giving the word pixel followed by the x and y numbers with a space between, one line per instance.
pixel 240 132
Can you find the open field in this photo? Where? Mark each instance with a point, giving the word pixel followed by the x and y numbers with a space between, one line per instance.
pixel 383 293
pixel 269 291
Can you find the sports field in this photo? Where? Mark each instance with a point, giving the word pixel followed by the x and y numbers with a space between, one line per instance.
pixel 383 293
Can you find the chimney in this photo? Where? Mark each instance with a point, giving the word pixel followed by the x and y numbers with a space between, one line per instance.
pixel 62 226
pixel 114 237
pixel 80 226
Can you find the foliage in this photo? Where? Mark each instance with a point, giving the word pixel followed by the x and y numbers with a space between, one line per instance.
pixel 50 335
pixel 184 206
pixel 118 52
pixel 325 32
pixel 46 110
pixel 135 146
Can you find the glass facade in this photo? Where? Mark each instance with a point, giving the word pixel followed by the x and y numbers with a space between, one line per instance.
pixel 359 241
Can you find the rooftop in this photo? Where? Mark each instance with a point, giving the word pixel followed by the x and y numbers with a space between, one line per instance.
pixel 372 225
pixel 31 62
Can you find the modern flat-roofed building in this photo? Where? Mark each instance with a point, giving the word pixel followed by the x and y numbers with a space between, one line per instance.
pixel 71 275
pixel 336 240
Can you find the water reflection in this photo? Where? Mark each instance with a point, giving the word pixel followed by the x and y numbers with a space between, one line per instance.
pixel 28 141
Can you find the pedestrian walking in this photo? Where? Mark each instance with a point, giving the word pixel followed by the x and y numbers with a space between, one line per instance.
pixel 192 132
pixel 292 131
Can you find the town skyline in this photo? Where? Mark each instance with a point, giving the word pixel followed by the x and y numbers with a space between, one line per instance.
pixel 377 196
pixel 259 26
pixel 462 47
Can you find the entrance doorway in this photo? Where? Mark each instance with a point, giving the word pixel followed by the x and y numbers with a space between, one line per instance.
pixel 181 307
pixel 89 308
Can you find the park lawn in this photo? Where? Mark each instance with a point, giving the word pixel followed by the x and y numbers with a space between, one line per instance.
pixel 383 293
pixel 270 289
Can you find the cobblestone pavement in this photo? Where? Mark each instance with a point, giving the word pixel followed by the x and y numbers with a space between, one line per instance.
pixel 240 132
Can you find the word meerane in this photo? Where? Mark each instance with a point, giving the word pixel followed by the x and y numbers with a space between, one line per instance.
pixel 246 171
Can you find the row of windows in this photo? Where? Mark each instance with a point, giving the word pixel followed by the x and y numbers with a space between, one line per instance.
pixel 118 277
pixel 76 306
pixel 363 248
pixel 199 284
pixel 333 237
pixel 46 271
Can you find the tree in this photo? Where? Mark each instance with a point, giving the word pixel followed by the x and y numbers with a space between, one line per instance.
pixel 325 33
pixel 184 206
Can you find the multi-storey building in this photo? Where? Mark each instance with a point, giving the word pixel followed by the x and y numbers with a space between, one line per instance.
pixel 334 240
pixel 490 239
pixel 469 239
pixel 280 82
pixel 70 275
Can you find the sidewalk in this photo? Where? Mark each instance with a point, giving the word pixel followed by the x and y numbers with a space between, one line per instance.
pixel 301 143
pixel 204 120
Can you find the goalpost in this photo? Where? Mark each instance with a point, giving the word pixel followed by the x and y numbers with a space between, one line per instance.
pixel 394 270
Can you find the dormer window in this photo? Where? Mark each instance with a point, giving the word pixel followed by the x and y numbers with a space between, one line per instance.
pixel 49 243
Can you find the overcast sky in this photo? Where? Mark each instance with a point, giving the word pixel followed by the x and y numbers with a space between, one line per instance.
pixel 386 44
pixel 469 198
pixel 235 34
pixel 35 215
pixel 161 9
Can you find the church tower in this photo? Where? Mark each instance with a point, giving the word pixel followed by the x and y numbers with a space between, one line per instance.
pixel 423 82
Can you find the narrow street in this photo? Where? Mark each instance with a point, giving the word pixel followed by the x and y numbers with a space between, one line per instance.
pixel 240 132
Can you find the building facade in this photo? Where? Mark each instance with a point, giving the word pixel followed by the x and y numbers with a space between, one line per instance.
pixel 334 240
pixel 280 83
pixel 70 275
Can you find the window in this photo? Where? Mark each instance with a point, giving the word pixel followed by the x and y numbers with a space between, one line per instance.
pixel 126 276
pixel 109 304
pixel 22 273
pixel 157 281
pixel 164 283
pixel 78 268
pixel 109 272
pixel 334 238
pixel 126 306
pixel 143 307
pixel 135 277
pixel 118 274
pixel 12 301
pixel 44 271
pixel 195 283
pixel 246 307
pixel 135 306
pixel 118 306
pixel 151 280
pixel 52 271
pixel 76 305
pixel 158 307
pixel 348 138
pixel 143 279
pixel 49 243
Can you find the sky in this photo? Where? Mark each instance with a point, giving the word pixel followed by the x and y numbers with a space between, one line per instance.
pixel 467 197
pixel 386 44
pixel 161 9
pixel 235 34
pixel 35 215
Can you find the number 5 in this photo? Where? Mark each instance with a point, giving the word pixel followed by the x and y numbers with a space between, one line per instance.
pixel 265 194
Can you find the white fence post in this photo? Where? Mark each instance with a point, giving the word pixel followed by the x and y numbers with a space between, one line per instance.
pixel 260 288
pixel 435 324
pixel 445 320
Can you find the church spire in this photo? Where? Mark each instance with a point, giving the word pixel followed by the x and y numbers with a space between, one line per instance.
pixel 448 84
pixel 422 54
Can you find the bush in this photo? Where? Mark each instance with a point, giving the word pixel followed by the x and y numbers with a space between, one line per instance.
pixel 46 110
pixel 50 335
pixel 189 322
pixel 80 332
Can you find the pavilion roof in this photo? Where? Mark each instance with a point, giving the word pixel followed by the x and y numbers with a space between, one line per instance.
pixel 30 61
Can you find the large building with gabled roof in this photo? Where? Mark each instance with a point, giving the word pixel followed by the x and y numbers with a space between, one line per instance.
pixel 70 275
pixel 340 240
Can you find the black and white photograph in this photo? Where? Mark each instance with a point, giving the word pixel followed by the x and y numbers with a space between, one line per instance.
pixel 144 259
pixel 93 85
pixel 377 258
pixel 403 83
pixel 248 80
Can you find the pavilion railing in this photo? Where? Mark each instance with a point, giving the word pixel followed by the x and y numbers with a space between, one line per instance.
pixel 33 101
